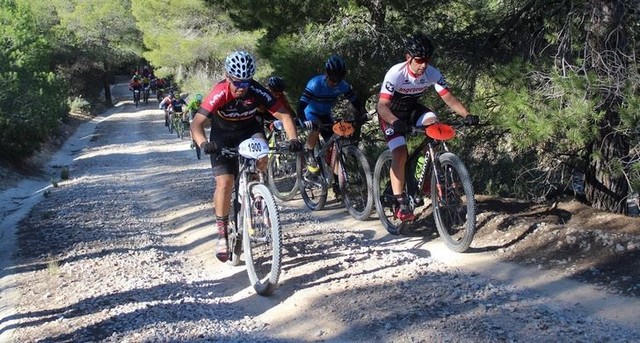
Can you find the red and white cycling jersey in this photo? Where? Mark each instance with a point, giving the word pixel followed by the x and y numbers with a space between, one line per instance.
pixel 228 112
pixel 404 88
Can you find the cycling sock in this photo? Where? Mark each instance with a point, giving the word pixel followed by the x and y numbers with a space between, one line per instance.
pixel 222 249
pixel 399 199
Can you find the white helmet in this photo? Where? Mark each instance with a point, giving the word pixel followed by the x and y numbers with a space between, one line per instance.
pixel 241 65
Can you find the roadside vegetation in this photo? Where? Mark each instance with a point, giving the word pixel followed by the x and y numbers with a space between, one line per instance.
pixel 556 82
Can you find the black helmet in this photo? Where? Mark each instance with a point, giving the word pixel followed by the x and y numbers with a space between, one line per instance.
pixel 276 83
pixel 336 68
pixel 418 45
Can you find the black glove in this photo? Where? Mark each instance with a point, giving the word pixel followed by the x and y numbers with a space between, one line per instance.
pixel 400 127
pixel 295 145
pixel 209 147
pixel 471 119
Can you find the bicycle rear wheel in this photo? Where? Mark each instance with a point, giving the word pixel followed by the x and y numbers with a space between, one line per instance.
pixel 262 240
pixel 356 183
pixel 282 176
pixel 453 203
pixel 171 123
pixel 383 194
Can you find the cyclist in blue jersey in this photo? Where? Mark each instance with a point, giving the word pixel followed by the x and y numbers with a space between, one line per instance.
pixel 317 100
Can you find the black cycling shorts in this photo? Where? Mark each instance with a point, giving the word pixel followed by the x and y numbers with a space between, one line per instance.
pixel 222 164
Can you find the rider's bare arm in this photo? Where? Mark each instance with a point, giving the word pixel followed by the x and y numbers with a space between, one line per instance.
pixel 197 129
pixel 455 104
pixel 384 110
pixel 283 115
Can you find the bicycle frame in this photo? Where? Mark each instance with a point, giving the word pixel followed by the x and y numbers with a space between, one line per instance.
pixel 256 229
pixel 341 155
pixel 336 144
pixel 450 188
pixel 430 149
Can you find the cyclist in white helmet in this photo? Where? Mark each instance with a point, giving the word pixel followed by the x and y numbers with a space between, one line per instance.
pixel 232 108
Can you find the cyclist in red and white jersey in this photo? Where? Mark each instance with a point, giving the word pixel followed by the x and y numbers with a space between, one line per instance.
pixel 232 108
pixel 399 108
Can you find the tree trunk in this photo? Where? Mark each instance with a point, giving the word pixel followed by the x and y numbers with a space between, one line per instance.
pixel 377 9
pixel 605 184
pixel 107 88
pixel 605 188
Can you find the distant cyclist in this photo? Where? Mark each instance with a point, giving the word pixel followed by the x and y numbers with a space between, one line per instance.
pixel 277 86
pixel 192 108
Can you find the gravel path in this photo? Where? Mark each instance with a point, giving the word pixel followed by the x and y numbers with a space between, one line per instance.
pixel 123 252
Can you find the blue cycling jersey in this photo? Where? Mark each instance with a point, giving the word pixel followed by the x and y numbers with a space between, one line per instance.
pixel 321 98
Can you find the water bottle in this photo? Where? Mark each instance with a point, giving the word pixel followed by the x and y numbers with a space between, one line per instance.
pixel 419 167
pixel 278 125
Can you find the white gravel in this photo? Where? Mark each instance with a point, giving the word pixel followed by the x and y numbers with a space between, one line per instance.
pixel 123 252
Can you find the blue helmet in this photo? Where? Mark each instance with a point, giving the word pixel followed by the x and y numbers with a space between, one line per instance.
pixel 276 83
pixel 336 68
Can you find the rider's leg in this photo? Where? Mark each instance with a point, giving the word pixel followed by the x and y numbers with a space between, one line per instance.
pixel 222 206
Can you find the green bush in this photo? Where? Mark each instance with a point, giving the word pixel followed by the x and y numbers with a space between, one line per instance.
pixel 79 105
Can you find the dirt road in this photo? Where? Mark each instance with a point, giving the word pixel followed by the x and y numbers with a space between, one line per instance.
pixel 123 252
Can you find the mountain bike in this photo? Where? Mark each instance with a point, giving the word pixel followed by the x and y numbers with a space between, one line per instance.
pixel 136 97
pixel 193 142
pixel 254 223
pixel 160 94
pixel 177 124
pixel 431 171
pixel 340 154
pixel 168 118
pixel 145 94
pixel 282 177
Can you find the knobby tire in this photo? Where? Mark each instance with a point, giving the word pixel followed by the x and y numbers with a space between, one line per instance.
pixel 355 183
pixel 382 194
pixel 282 175
pixel 313 187
pixel 262 240
pixel 453 203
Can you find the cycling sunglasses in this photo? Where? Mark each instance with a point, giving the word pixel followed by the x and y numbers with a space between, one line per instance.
pixel 240 83
pixel 421 60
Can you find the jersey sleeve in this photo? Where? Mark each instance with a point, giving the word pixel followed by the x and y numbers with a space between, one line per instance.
pixel 264 97
pixel 214 100
pixel 441 85
pixel 309 89
pixel 388 87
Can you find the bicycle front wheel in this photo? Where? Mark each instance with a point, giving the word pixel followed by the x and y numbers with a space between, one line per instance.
pixel 313 186
pixel 262 240
pixel 383 194
pixel 453 201
pixel 282 177
pixel 355 183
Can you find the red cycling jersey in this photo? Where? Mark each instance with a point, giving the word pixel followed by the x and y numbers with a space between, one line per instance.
pixel 230 113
